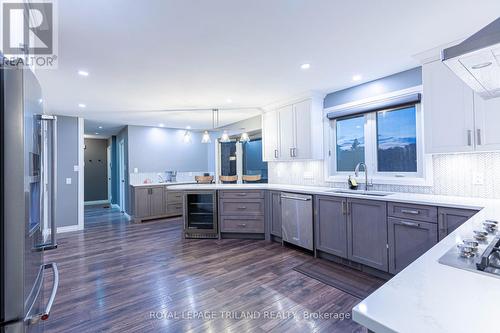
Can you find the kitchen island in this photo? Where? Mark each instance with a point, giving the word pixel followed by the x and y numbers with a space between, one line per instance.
pixel 426 296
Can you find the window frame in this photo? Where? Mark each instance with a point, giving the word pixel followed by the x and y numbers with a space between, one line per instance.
pixel 422 177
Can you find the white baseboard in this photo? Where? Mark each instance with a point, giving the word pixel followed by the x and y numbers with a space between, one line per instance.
pixel 96 202
pixel 68 228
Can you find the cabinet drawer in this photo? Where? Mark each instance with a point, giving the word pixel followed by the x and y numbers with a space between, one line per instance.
pixel 174 197
pixel 414 212
pixel 256 194
pixel 241 207
pixel 175 208
pixel 242 224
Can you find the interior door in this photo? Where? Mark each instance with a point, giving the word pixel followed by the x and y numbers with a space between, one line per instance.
pixel 121 158
pixel 108 153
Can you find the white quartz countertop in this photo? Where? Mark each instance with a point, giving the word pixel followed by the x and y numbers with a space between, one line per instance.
pixel 162 184
pixel 426 296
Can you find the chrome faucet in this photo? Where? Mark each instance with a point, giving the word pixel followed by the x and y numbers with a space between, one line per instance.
pixel 356 173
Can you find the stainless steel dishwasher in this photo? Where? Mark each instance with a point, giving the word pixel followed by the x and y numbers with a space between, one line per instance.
pixel 297 219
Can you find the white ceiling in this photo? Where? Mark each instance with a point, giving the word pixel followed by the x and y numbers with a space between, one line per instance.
pixel 147 56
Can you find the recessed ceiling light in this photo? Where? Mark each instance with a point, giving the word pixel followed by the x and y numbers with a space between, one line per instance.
pixel 229 100
pixel 305 66
pixel 83 73
pixel 188 127
pixel 161 125
pixel 356 77
pixel 81 105
pixel 100 127
pixel 96 133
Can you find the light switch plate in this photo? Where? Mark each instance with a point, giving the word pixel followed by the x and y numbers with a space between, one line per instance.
pixel 68 181
pixel 136 170
pixel 75 168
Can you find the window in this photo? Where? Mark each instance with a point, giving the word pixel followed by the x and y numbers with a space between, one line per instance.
pixel 397 140
pixel 350 143
pixel 389 142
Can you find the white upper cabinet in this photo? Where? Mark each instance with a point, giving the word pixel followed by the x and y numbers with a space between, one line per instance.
pixel 286 133
pixel 294 131
pixel 448 111
pixel 487 116
pixel 455 118
pixel 270 135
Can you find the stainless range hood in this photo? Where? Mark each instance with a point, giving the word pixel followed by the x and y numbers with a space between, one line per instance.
pixel 477 60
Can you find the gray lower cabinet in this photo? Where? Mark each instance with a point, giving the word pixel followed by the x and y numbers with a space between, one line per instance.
pixel 141 202
pixel 367 232
pixel 274 213
pixel 157 201
pixel 241 212
pixel 331 225
pixel 451 218
pixel 408 240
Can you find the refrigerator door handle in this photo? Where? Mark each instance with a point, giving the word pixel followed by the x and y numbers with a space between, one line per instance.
pixel 52 244
pixel 55 284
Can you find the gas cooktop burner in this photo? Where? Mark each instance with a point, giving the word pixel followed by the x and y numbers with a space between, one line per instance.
pixel 480 255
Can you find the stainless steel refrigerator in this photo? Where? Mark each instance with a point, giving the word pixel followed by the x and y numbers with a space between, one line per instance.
pixel 28 285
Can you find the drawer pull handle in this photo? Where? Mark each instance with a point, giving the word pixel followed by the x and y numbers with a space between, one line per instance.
pixel 295 239
pixel 242 207
pixel 242 194
pixel 410 224
pixel 408 211
pixel 242 225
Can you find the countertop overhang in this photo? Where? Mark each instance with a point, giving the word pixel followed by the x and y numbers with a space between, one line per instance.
pixel 426 296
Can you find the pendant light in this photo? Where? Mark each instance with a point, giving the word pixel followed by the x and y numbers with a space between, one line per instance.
pixel 215 120
pixel 244 137
pixel 206 137
pixel 225 137
pixel 187 136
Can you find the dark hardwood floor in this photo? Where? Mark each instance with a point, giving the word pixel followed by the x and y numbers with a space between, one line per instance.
pixel 121 277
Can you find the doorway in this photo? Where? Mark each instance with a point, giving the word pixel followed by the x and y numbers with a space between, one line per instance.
pixel 121 167
pixel 109 173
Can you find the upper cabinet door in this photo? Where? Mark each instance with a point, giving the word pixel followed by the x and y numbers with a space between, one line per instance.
pixel 270 133
pixel 287 132
pixel 303 133
pixel 448 111
pixel 487 113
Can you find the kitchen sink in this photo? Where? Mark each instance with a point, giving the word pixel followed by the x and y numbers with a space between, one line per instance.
pixel 360 192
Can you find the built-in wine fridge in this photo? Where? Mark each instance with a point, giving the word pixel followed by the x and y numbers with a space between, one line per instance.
pixel 200 216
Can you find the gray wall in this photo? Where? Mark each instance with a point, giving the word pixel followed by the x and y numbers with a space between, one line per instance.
pixel 67 158
pixel 96 171
pixel 395 82
pixel 154 149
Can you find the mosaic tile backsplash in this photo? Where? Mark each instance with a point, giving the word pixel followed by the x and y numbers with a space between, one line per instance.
pixel 454 174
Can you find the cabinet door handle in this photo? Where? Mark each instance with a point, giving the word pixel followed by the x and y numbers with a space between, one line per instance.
pixel 410 224
pixel 479 141
pixel 291 152
pixel 408 211
pixel 469 137
pixel 276 153
pixel 343 208
pixel 348 208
